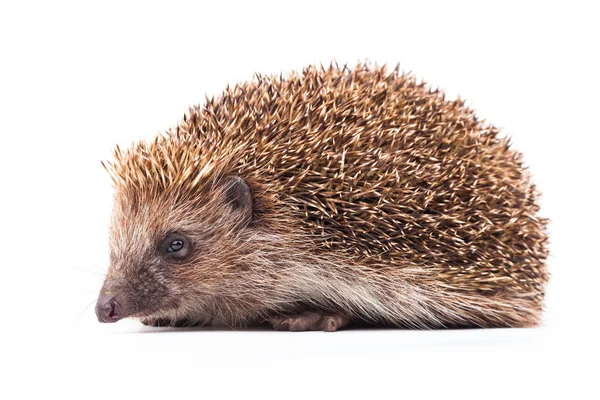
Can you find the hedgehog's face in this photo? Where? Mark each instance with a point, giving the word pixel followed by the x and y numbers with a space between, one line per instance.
pixel 168 258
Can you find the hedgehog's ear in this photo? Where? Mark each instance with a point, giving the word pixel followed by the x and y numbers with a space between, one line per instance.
pixel 239 198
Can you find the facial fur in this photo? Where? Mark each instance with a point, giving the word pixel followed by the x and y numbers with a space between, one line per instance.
pixel 149 279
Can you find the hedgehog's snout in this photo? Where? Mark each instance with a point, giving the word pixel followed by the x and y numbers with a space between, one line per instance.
pixel 112 304
pixel 109 308
pixel 136 294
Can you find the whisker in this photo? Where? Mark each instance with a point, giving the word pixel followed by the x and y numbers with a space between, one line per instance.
pixel 101 275
pixel 84 310
pixel 88 293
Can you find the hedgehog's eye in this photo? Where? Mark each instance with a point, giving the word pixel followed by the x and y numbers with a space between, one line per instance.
pixel 175 246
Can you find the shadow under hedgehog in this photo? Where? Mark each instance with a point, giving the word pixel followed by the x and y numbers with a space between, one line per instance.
pixel 326 197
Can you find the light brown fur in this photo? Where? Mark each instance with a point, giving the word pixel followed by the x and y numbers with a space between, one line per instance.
pixel 373 198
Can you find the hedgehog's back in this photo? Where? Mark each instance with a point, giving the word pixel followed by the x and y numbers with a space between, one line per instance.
pixel 380 166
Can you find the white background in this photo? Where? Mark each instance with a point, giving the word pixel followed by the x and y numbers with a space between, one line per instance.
pixel 77 78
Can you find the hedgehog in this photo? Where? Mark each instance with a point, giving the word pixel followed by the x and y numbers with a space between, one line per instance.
pixel 332 196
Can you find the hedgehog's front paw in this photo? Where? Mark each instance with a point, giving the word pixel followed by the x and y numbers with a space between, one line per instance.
pixel 179 323
pixel 310 321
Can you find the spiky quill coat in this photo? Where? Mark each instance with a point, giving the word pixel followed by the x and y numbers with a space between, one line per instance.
pixel 373 195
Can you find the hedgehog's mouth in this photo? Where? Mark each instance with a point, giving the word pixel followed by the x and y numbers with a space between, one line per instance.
pixel 165 311
pixel 112 307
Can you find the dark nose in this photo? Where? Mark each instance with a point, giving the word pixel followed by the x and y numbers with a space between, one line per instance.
pixel 108 309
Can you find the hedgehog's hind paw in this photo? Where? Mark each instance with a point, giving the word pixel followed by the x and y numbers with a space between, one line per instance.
pixel 310 321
